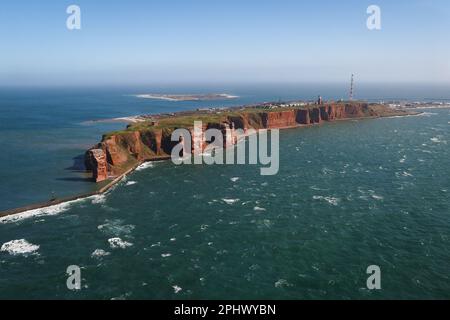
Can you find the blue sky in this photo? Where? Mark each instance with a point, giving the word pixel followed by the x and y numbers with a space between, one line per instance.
pixel 183 41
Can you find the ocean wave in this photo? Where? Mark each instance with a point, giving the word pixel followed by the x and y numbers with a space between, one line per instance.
pixel 47 211
pixel 404 174
pixel 144 166
pixel 317 188
pixel 282 283
pixel 98 199
pixel 331 200
pixel 234 179
pixel 116 227
pixel 424 114
pixel 259 209
pixel 119 243
pixel 230 201
pixel 176 289
pixel 326 171
pixel 438 139
pixel 130 183
pixel 98 253
pixel 19 247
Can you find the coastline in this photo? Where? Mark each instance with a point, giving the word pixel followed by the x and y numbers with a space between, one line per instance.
pixel 186 97
pixel 66 200
pixel 70 199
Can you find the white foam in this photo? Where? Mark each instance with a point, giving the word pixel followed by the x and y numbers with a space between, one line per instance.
pixel 259 209
pixel 98 199
pixel 19 247
pixel 317 188
pixel 144 166
pixel 422 114
pixel 177 289
pixel 230 201
pixel 98 253
pixel 47 211
pixel 234 179
pixel 119 243
pixel 406 174
pixel 438 140
pixel 331 200
pixel 166 255
pixel 282 283
pixel 130 183
pixel 115 227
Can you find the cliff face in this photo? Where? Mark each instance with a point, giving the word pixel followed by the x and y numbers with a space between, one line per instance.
pixel 273 120
pixel 95 161
pixel 119 152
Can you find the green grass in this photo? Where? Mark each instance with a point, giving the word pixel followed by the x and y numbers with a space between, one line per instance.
pixel 187 121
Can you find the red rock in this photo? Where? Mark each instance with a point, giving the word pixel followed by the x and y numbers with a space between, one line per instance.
pixel 96 161
pixel 282 119
pixel 119 152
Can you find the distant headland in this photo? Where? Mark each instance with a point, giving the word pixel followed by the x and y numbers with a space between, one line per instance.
pixel 187 97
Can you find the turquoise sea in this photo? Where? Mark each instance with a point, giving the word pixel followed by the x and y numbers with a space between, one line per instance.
pixel 349 194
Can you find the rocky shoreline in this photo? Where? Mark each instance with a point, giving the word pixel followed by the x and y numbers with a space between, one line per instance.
pixel 151 140
pixel 120 153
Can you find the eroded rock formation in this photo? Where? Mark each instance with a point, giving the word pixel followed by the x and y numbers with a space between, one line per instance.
pixel 95 161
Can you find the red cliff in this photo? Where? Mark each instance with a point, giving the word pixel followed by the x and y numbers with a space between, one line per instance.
pixel 118 152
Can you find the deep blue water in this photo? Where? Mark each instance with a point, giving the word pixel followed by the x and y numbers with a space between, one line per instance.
pixel 348 195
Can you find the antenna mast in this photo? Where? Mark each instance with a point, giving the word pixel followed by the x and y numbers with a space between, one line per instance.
pixel 351 89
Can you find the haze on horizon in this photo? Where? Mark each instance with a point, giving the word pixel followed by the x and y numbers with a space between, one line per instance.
pixel 141 42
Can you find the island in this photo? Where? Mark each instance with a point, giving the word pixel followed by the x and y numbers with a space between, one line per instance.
pixel 149 139
pixel 187 97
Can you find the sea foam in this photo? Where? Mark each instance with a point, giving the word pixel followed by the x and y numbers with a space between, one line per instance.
pixel 230 201
pixel 331 200
pixel 19 247
pixel 116 227
pixel 47 211
pixel 119 243
pixel 98 253
pixel 144 166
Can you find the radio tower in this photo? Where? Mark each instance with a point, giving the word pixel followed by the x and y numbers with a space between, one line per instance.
pixel 351 89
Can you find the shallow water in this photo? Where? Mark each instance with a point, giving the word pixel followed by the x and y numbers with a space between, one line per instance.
pixel 348 195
